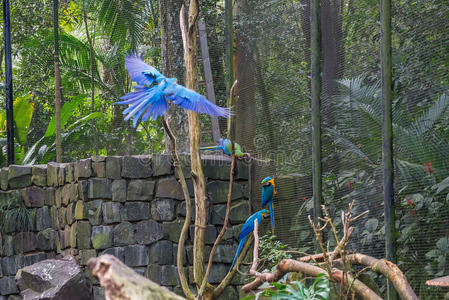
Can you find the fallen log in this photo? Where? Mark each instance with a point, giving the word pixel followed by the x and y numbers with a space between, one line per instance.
pixel 121 283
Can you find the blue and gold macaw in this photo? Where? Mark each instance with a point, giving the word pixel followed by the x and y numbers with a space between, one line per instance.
pixel 154 91
pixel 268 190
pixel 247 228
pixel 226 146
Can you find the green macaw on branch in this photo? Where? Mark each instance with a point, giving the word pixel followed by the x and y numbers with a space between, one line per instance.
pixel 226 146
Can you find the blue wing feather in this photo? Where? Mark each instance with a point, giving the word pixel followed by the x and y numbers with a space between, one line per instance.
pixel 191 100
pixel 140 72
pixel 239 249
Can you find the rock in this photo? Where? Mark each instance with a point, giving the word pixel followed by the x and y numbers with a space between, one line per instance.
pixel 53 279
pixel 99 169
pixel 137 166
pixel 19 176
pixel 30 259
pixel 140 190
pixel 162 165
pixel 118 252
pixel 216 167
pixel 163 209
pixel 242 170
pixel 7 249
pixel 80 235
pixel 237 229
pixel 161 253
pixel 11 264
pixel 69 173
pixel 218 214
pixel 239 212
pixel 81 211
pixel 172 230
pixel 64 237
pixel 136 211
pixel 224 254
pixel 210 236
pixel 39 175
pixel 217 273
pixel 98 158
pixel 94 212
pixel 82 189
pixel 61 174
pixel 8 286
pixel 43 219
pixel 99 188
pixel 148 232
pixel 113 167
pixel 52 173
pixel 218 191
pixel 98 293
pixel 102 237
pixel 69 213
pixel 111 212
pixel 136 255
pixel 24 242
pixel 83 168
pixel 85 255
pixel 229 293
pixel 169 275
pixel 4 178
pixel 48 239
pixel 34 196
pixel 155 273
pixel 62 221
pixel 119 190
pixel 169 188
pixel 124 234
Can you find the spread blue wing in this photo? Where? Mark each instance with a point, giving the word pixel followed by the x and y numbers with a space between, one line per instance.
pixel 144 102
pixel 191 100
pixel 140 72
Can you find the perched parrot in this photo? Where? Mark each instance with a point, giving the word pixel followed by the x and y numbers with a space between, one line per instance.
pixel 154 91
pixel 268 190
pixel 247 228
pixel 226 146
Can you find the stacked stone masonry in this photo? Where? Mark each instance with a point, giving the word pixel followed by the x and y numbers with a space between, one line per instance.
pixel 131 207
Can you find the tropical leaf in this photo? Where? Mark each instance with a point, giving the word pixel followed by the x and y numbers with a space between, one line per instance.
pixel 66 112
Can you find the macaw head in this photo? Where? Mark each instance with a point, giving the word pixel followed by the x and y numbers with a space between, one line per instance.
pixel 269 181
pixel 265 214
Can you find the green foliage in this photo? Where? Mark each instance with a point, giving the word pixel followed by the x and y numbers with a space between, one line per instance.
pixel 318 290
pixel 271 251
pixel 14 216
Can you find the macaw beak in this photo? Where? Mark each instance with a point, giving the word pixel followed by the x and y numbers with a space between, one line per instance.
pixel 265 215
pixel 265 183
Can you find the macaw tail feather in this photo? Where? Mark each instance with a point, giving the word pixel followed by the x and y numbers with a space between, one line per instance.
pixel 239 249
pixel 211 148
pixel 270 204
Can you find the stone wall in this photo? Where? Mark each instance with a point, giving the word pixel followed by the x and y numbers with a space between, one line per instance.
pixel 130 206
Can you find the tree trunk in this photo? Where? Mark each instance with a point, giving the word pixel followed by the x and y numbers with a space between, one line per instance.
pixel 122 283
pixel 199 183
pixel 57 82
pixel 245 107
pixel 173 66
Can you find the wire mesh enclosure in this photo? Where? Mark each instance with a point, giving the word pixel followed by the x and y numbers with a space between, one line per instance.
pixel 266 47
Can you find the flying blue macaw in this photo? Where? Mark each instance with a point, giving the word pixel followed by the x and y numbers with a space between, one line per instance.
pixel 154 91
pixel 226 146
pixel 268 190
pixel 247 228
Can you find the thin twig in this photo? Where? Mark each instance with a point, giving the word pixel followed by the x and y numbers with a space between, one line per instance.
pixel 185 227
